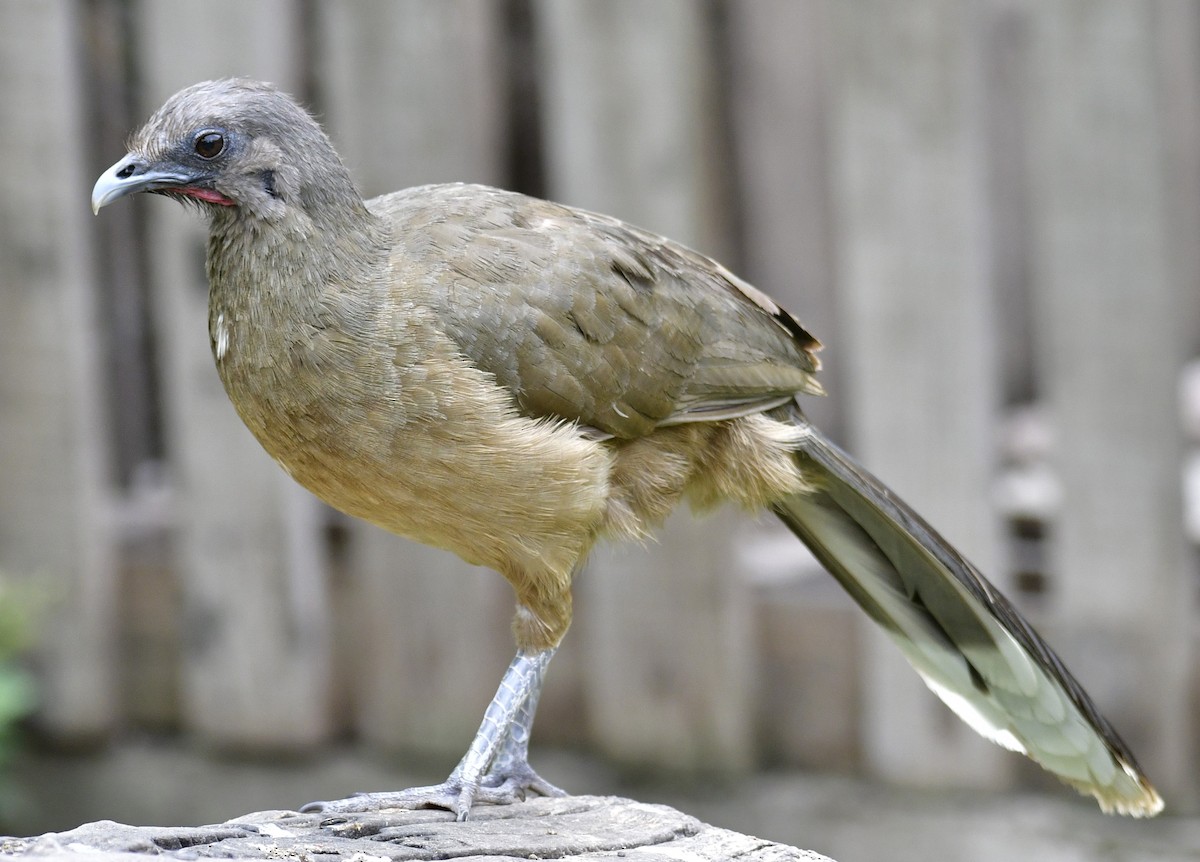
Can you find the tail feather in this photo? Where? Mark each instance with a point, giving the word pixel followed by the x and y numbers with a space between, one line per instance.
pixel 968 643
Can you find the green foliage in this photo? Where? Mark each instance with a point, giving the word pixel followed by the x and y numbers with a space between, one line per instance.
pixel 18 607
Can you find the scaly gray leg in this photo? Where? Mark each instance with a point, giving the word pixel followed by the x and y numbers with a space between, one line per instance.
pixel 495 768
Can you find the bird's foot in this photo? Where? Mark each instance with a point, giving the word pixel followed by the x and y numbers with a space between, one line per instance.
pixel 495 769
pixel 453 794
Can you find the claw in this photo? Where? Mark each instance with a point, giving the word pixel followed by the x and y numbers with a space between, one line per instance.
pixel 495 769
pixel 453 795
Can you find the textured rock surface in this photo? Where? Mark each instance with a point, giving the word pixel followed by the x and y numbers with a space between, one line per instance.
pixel 576 828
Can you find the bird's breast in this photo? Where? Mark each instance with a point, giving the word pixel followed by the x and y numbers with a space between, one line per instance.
pixel 398 428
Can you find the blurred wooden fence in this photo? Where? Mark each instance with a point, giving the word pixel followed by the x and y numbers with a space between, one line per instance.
pixel 988 209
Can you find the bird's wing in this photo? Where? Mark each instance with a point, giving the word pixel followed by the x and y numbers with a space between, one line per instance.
pixel 585 318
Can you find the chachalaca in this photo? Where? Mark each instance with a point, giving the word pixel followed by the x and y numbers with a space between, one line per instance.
pixel 513 380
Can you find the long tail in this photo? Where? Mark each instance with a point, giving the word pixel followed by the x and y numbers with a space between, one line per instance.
pixel 969 644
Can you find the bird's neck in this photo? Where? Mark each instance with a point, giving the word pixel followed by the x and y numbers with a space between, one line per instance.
pixel 282 261
pixel 272 283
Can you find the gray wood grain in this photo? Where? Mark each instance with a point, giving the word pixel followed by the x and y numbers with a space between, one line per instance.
pixel 53 464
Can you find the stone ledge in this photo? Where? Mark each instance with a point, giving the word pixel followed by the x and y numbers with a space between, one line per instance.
pixel 573 827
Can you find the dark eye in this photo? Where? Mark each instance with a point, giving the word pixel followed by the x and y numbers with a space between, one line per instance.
pixel 209 145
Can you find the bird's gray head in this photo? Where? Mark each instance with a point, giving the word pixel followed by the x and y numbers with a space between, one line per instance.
pixel 236 146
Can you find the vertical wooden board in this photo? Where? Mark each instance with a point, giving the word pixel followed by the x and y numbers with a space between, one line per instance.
pixel 628 112
pixel 410 93
pixel 1110 327
pixel 257 622
pixel 1004 47
pixel 629 115
pixel 431 643
pixel 669 650
pixel 413 91
pixel 778 95
pixel 53 458
pixel 918 344
pixel 810 673
pixel 1178 43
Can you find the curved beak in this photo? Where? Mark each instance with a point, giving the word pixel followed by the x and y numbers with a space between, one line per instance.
pixel 130 175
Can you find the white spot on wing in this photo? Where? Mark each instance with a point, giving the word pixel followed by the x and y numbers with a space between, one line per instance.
pixel 967 711
pixel 221 336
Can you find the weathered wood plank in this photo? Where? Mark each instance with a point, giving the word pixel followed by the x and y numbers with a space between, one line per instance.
pixel 427 641
pixel 810 693
pixel 256 610
pixel 411 93
pixel 916 327
pixel 53 461
pixel 628 111
pixel 780 128
pixel 1111 328
pixel 1004 43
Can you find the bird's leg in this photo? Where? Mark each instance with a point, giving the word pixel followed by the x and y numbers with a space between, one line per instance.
pixel 499 753
pixel 495 768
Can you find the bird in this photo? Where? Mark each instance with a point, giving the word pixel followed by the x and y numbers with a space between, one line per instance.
pixel 515 380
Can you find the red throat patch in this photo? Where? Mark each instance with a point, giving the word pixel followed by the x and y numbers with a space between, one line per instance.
pixel 207 195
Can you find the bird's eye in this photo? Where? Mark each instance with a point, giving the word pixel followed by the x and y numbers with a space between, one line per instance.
pixel 209 145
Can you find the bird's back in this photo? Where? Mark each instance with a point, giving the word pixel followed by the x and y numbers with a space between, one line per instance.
pixel 585 318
